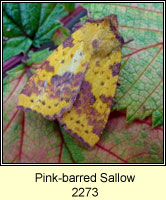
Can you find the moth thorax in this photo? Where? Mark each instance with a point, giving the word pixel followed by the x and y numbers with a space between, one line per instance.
pixel 103 47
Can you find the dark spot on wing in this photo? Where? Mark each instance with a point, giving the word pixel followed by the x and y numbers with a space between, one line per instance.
pixel 108 100
pixel 102 83
pixel 92 100
pixel 97 63
pixel 47 66
pixel 49 69
pixel 55 78
pixel 30 88
pixel 115 69
pixel 67 100
pixel 43 102
pixel 86 64
pixel 95 43
pixel 68 42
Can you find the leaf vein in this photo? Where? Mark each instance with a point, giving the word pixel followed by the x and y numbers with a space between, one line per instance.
pixel 158 52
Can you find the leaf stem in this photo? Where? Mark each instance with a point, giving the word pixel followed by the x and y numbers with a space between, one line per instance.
pixel 10 63
pixel 68 18
pixel 27 70
pixel 16 60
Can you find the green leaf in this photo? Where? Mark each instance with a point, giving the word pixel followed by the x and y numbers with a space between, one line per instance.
pixel 50 25
pixel 12 75
pixel 141 76
pixel 46 9
pixel 37 57
pixel 75 149
pixel 30 16
pixel 157 117
pixel 15 46
pixel 36 22
pixel 69 7
pixel 10 29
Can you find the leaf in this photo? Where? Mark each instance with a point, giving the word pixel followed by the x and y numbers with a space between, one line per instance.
pixel 49 26
pixel 37 57
pixel 61 34
pixel 15 46
pixel 29 23
pixel 141 76
pixel 69 7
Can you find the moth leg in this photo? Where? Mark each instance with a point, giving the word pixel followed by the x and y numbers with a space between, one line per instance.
pixel 128 41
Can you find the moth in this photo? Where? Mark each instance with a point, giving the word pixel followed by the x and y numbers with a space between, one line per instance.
pixel 76 83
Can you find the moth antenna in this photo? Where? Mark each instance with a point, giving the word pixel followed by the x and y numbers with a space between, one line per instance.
pixel 88 13
pixel 128 41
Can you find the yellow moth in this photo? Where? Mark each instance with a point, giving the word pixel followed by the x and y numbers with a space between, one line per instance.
pixel 77 82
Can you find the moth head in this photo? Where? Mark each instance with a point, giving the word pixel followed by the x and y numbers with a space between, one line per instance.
pixel 113 22
pixel 114 25
pixel 103 35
